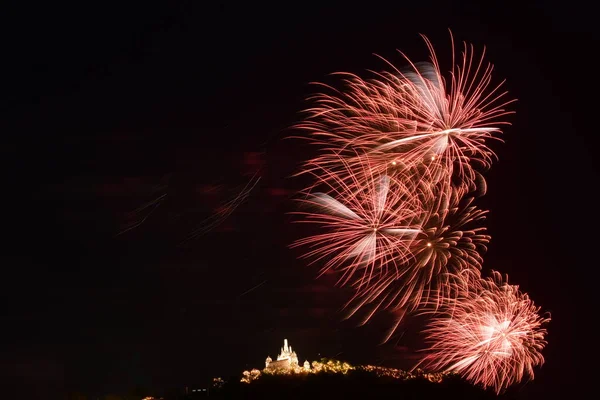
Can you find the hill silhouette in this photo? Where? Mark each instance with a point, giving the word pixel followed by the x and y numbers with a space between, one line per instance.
pixel 358 382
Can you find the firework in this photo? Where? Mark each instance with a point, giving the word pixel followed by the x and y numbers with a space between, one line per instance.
pixel 491 333
pixel 368 222
pixel 411 117
pixel 449 242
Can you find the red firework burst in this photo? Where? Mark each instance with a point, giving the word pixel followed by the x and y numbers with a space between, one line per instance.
pixel 449 242
pixel 491 333
pixel 413 117
pixel 368 223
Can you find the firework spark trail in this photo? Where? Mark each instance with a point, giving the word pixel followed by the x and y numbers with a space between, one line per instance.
pixel 224 211
pixel 138 216
pixel 252 289
pixel 137 213
pixel 369 221
pixel 491 333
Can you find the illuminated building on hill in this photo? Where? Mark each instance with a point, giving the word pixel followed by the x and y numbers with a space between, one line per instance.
pixel 287 359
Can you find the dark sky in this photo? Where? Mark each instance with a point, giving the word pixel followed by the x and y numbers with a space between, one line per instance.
pixel 108 107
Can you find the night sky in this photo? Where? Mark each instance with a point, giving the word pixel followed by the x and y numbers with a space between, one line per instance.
pixel 108 108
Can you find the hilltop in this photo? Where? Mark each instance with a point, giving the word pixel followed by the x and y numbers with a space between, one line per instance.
pixel 336 378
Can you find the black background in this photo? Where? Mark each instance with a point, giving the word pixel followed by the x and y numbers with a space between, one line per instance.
pixel 107 106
